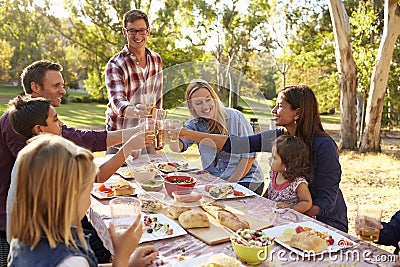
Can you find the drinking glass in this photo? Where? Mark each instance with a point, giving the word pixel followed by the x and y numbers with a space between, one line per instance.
pixel 171 130
pixel 124 211
pixel 369 220
pixel 160 116
pixel 147 125
pixel 149 100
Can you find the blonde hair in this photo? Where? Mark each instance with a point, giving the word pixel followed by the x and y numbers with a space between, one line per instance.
pixel 218 124
pixel 52 174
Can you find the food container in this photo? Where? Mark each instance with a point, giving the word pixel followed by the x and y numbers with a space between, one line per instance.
pixel 151 201
pixel 187 196
pixel 152 185
pixel 178 182
pixel 255 253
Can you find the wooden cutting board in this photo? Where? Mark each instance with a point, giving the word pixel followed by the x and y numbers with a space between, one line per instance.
pixel 216 234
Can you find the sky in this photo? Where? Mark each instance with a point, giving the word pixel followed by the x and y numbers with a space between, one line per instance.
pixel 58 9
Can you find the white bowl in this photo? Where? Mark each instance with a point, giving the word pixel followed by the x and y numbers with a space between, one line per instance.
pixel 143 176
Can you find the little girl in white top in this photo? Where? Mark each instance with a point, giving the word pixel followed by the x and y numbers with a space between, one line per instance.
pixel 290 168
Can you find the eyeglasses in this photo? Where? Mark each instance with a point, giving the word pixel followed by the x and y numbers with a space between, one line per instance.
pixel 134 32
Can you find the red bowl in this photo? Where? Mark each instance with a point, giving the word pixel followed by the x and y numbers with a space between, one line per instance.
pixel 178 182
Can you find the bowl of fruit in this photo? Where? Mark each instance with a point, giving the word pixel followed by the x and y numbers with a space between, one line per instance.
pixel 251 246
pixel 178 182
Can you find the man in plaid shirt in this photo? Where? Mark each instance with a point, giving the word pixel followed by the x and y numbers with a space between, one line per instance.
pixel 134 71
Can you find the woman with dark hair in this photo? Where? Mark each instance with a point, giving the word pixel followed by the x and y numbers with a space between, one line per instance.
pixel 296 111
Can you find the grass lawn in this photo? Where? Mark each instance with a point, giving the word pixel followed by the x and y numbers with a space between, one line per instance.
pixel 83 115
pixel 79 115
pixel 7 93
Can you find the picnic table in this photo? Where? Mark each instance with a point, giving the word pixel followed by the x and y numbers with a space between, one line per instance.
pixel 188 246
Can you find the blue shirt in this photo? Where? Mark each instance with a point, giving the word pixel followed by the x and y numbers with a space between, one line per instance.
pixel 226 162
pixel 326 172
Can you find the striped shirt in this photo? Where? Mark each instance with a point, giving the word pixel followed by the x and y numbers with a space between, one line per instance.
pixel 126 81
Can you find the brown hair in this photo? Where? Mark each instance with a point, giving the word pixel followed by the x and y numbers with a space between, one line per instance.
pixel 294 155
pixel 36 72
pixel 218 124
pixel 25 112
pixel 133 15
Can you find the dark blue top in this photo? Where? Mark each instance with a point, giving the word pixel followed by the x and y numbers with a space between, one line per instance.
pixel 43 256
pixel 390 234
pixel 326 172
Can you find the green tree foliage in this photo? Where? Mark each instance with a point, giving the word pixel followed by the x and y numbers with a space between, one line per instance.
pixel 312 53
pixel 92 85
pixel 6 54
pixel 169 39
pixel 263 72
pixel 391 110
pixel 365 27
pixel 93 29
pixel 232 32
pixel 31 37
pixel 25 31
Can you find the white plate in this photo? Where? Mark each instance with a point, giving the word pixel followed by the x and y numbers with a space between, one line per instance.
pixel 161 218
pixel 247 192
pixel 180 167
pixel 125 172
pixel 277 231
pixel 102 195
pixel 197 261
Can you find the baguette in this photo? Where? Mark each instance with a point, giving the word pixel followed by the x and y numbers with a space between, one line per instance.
pixel 225 217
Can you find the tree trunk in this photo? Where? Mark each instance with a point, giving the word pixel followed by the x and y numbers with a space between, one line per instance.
pixel 237 83
pixel 348 79
pixel 380 75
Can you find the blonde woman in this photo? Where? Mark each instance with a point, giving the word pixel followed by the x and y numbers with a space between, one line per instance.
pixel 55 178
pixel 210 116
